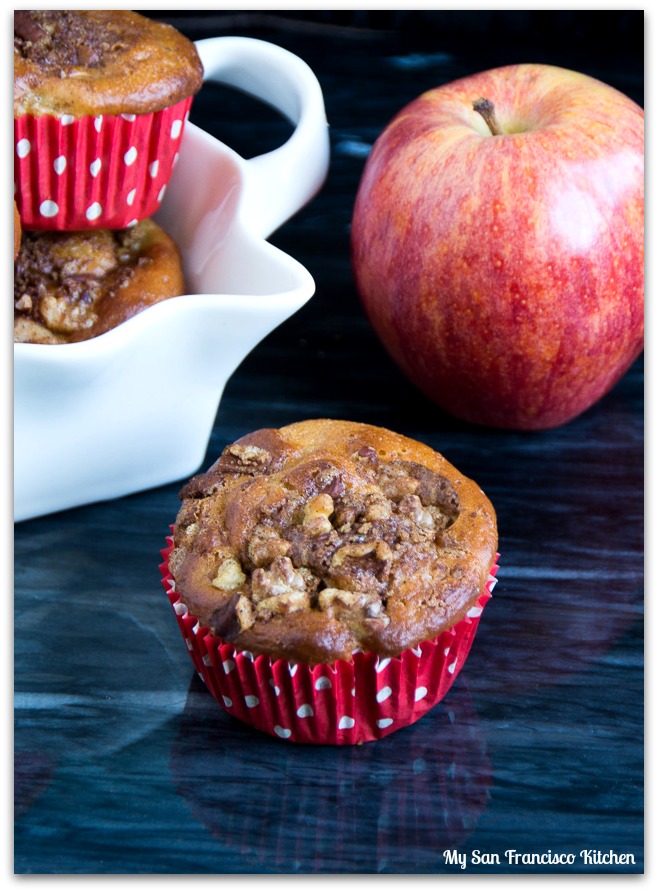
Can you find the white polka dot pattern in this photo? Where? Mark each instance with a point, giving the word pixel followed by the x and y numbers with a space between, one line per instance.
pixel 106 171
pixel 48 208
pixel 346 702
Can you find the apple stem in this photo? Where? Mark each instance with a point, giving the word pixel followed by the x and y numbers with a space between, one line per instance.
pixel 486 108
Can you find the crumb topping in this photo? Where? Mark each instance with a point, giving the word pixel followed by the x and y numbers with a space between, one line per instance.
pixel 265 535
pixel 58 40
pixel 61 278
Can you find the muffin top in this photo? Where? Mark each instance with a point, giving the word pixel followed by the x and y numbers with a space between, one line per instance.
pixel 72 286
pixel 326 537
pixel 91 62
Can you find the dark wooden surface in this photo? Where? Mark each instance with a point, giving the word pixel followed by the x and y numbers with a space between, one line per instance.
pixel 124 764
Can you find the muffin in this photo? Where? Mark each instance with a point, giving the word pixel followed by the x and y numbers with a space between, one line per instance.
pixel 329 577
pixel 101 98
pixel 72 286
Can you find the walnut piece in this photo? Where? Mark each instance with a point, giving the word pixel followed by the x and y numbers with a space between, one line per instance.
pixel 244 612
pixel 238 458
pixel 360 549
pixel 249 455
pixel 413 507
pixel 279 605
pixel 230 576
pixel 280 579
pixel 317 513
pixel 370 605
pixel 265 545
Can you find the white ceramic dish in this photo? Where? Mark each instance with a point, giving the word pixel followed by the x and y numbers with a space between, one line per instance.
pixel 134 408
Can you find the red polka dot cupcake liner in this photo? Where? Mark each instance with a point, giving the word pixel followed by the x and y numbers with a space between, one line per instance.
pixel 102 172
pixel 344 702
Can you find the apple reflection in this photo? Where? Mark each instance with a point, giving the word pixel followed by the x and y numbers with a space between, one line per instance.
pixel 570 589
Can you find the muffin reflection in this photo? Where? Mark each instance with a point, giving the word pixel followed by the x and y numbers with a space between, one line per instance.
pixel 390 806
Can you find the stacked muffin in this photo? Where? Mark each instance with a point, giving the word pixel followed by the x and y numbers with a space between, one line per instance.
pixel 100 104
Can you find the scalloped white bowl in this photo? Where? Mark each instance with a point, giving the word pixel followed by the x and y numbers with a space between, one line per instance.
pixel 134 408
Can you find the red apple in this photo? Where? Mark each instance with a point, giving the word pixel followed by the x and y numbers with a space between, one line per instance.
pixel 503 270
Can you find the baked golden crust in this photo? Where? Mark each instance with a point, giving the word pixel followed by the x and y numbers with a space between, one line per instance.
pixel 17 231
pixel 93 62
pixel 72 286
pixel 324 537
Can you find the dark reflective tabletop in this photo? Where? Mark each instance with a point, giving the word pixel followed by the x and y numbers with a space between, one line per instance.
pixel 124 764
